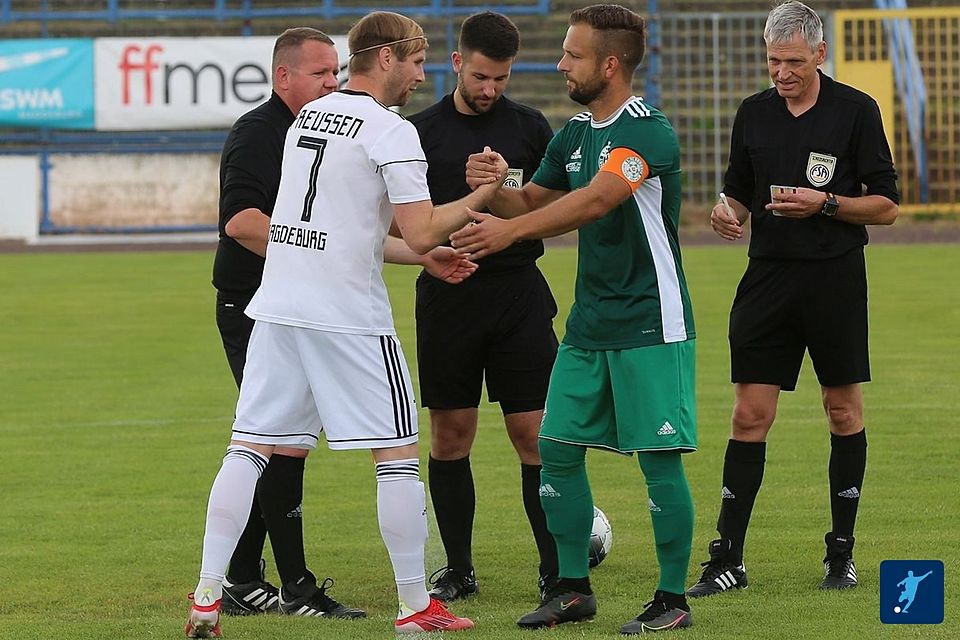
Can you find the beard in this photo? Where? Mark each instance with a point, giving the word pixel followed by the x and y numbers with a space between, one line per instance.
pixel 470 102
pixel 397 92
pixel 586 92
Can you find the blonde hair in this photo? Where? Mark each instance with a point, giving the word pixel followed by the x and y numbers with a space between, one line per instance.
pixel 383 29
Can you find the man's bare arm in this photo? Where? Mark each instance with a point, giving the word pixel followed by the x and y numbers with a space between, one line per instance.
pixel 424 226
pixel 577 208
pixel 250 228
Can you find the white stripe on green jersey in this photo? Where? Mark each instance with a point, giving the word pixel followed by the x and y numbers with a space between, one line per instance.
pixel 630 289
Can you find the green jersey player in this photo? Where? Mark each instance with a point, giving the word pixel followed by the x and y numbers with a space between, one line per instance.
pixel 624 375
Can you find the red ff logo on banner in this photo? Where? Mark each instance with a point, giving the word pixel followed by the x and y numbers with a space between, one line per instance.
pixel 181 83
pixel 145 64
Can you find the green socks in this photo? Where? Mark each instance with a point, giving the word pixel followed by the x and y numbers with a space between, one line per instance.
pixel 567 503
pixel 671 509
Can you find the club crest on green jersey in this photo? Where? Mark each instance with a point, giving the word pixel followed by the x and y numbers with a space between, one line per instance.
pixel 604 155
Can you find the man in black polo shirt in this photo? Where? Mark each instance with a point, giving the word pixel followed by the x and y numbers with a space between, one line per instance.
pixel 810 166
pixel 498 324
pixel 305 67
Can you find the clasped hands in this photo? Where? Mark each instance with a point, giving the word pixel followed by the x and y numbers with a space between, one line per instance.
pixel 485 234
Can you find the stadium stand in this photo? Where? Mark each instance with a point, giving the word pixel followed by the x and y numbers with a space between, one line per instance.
pixel 708 55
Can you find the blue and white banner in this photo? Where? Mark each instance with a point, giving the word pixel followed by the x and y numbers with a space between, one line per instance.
pixel 46 83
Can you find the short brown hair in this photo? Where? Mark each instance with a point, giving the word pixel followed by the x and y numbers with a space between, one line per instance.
pixel 383 28
pixel 490 34
pixel 622 33
pixel 291 39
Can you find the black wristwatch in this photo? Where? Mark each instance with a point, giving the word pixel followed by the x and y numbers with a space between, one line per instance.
pixel 831 206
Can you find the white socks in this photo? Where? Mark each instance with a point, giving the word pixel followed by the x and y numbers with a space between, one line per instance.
pixel 402 514
pixel 227 514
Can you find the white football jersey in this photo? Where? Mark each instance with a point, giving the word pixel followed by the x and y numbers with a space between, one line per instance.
pixel 346 160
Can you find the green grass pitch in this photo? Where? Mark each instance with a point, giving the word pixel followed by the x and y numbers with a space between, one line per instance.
pixel 117 402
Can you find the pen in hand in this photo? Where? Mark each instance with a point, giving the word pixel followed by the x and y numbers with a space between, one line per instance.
pixel 726 204
pixel 729 227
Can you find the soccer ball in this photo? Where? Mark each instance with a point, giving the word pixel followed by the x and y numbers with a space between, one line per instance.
pixel 601 538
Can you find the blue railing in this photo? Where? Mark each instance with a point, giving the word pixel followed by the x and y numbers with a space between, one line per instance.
pixel 219 11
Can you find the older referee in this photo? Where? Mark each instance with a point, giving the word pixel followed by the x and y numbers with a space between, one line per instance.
pixel 810 166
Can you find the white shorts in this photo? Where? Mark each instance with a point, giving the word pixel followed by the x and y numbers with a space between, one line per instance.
pixel 298 382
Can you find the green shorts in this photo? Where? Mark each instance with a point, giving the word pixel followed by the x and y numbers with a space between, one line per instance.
pixel 628 400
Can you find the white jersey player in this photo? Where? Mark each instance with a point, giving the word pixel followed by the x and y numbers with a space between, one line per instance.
pixel 323 355
pixel 346 161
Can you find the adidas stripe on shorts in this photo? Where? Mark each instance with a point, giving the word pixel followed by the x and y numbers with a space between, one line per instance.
pixel 298 382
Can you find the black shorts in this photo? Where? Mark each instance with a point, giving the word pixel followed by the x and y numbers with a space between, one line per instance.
pixel 784 307
pixel 235 328
pixel 498 327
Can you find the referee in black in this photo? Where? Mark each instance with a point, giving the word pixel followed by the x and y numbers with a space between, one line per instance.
pixel 498 325
pixel 305 67
pixel 810 167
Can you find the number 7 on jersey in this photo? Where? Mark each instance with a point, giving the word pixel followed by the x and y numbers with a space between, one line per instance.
pixel 318 145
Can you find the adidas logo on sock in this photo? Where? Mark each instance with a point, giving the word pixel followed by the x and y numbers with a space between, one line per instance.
pixel 849 493
pixel 297 512
pixel 547 491
pixel 726 494
pixel 666 430
pixel 652 505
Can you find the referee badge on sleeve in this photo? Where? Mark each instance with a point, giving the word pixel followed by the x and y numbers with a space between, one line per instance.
pixel 514 178
pixel 820 168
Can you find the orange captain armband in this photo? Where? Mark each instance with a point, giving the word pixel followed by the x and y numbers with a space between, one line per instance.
pixel 627 165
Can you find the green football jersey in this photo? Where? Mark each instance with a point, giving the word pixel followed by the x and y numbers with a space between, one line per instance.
pixel 630 289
